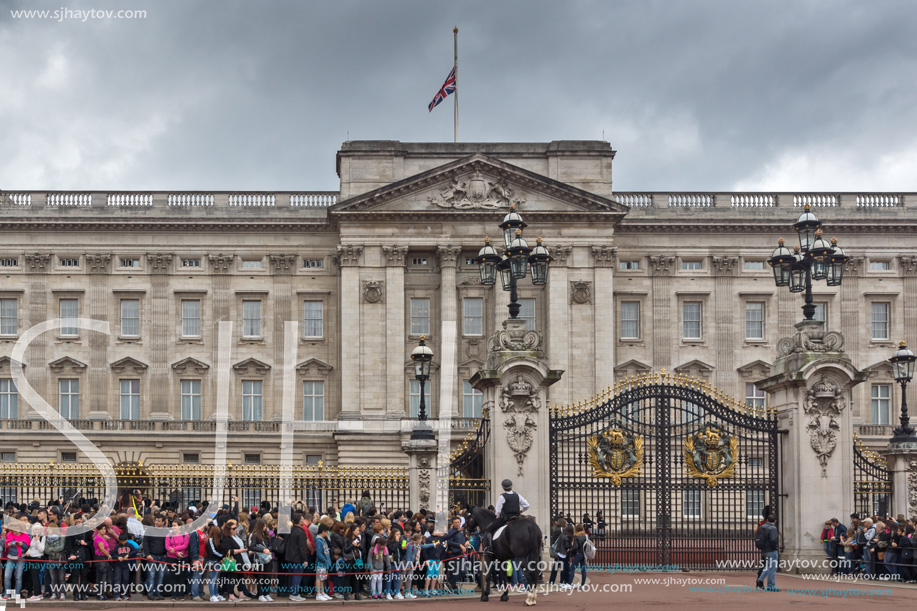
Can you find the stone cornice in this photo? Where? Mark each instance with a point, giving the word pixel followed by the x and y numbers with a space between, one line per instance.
pixel 277 225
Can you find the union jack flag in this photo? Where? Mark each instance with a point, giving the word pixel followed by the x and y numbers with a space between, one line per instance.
pixel 447 88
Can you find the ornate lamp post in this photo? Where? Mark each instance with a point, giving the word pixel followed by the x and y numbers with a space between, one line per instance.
pixel 517 260
pixel 903 370
pixel 813 259
pixel 422 357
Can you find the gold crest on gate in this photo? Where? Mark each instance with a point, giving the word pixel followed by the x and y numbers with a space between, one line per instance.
pixel 616 454
pixel 711 455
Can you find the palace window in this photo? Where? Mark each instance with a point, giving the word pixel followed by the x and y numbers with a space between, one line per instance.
pixel 420 316
pixel 691 317
pixel 881 403
pixel 630 503
pixel 69 262
pixel 690 265
pixel 473 319
pixel 9 400
pixel 130 399
pixel 190 399
pixel 630 320
pixel 312 318
pixel 472 400
pixel 69 312
pixel 313 263
pixel 752 266
pixel 191 317
pixel 185 263
pixel 252 400
pixel 9 322
pixel 879 266
pixel 692 504
pixel 414 399
pixel 130 318
pixel 251 319
pixel 754 397
pixel 754 320
pixel 880 316
pixel 69 399
pixel 626 266
pixel 129 262
pixel 754 503
pixel 821 313
pixel 9 262
pixel 527 313
pixel 313 401
pixel 251 264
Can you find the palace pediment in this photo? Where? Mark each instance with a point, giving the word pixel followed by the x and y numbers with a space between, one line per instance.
pixel 479 184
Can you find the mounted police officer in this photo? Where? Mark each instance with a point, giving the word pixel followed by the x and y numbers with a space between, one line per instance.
pixel 510 506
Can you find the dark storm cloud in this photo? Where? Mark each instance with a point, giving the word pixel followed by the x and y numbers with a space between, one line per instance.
pixel 260 95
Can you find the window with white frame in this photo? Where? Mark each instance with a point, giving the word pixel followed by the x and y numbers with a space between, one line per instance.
pixel 252 400
pixel 527 313
pixel 692 504
pixel 129 262
pixel 881 403
pixel 754 320
pixel 630 320
pixel 313 459
pixel 191 317
pixel 414 399
pixel 880 315
pixel 68 404
pixel 9 318
pixel 9 400
pixel 192 263
pixel 821 313
pixel 473 316
pixel 418 261
pixel 9 262
pixel 691 318
pixel 69 312
pixel 313 263
pixel 469 261
pixel 689 412
pixel 313 401
pixel 313 318
pixel 130 399
pixel 251 318
pixel 754 397
pixel 130 318
pixel 190 399
pixel 472 400
pixel 69 262
pixel 686 265
pixel 753 266
pixel 626 266
pixel 420 316
pixel 191 459
pixel 754 503
pixel 630 503
pixel 68 457
pixel 251 263
pixel 879 266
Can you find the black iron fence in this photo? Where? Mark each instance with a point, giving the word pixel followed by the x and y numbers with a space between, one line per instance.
pixel 872 481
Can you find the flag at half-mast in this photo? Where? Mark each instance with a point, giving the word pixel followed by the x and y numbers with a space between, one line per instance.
pixel 447 88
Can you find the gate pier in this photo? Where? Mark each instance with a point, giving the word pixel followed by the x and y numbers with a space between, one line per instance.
pixel 514 380
pixel 811 391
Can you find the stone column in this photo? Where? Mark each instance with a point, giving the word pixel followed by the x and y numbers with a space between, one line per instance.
pixel 348 258
pixel 811 391
pixel 724 307
pixel 221 268
pixel 37 265
pixel 160 376
pixel 99 266
pixel 282 267
pixel 559 319
pixel 395 333
pixel 902 465
pixel 604 260
pixel 515 379
pixel 421 471
pixel 447 256
pixel 662 268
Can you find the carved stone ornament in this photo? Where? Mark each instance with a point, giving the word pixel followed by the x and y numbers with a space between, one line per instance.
pixel 37 262
pixel 520 401
pixel 662 264
pixel 448 255
pixel 711 455
pixel 395 256
pixel 283 263
pixel 515 338
pixel 221 264
pixel 98 263
pixel 373 291
pixel 159 263
pixel 604 256
pixel 912 487
pixel 348 255
pixel 423 480
pixel 854 264
pixel 809 338
pixel 909 264
pixel 615 454
pixel 560 254
pixel 724 266
pixel 475 192
pixel 581 292
pixel 824 402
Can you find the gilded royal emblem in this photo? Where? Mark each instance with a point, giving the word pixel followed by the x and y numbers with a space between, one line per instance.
pixel 616 454
pixel 711 455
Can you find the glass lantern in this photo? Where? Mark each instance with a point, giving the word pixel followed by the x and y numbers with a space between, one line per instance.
pixel 836 263
pixel 539 261
pixel 518 253
pixel 782 262
pixel 487 260
pixel 422 357
pixel 806 227
pixel 512 222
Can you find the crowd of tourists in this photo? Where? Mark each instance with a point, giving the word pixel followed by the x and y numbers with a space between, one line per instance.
pixel 877 547
pixel 354 551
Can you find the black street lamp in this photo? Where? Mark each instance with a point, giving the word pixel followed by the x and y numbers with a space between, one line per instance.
pixel 517 260
pixel 813 259
pixel 422 357
pixel 903 370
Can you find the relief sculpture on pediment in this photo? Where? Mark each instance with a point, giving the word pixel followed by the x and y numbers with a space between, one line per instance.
pixel 476 191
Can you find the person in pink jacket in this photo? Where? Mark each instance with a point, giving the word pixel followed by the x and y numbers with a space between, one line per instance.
pixel 15 544
pixel 177 553
pixel 103 546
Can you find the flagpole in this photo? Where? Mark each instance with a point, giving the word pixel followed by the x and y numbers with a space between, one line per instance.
pixel 455 67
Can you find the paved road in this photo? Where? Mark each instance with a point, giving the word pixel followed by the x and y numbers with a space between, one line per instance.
pixel 632 591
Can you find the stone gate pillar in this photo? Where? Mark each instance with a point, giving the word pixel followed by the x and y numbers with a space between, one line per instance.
pixel 421 472
pixel 514 380
pixel 811 391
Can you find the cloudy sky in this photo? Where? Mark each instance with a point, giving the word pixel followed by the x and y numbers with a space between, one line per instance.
pixel 224 95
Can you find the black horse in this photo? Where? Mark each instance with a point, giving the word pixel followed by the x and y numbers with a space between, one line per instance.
pixel 521 540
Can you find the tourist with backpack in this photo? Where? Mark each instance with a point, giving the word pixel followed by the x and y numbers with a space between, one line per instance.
pixel 578 552
pixel 767 539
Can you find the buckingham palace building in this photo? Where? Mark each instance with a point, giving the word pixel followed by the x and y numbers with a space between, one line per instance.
pixel 311 303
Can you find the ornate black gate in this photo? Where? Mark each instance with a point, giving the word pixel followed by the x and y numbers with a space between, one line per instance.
pixel 464 475
pixel 872 481
pixel 680 471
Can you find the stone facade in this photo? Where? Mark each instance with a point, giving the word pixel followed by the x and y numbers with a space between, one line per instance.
pixel 640 281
